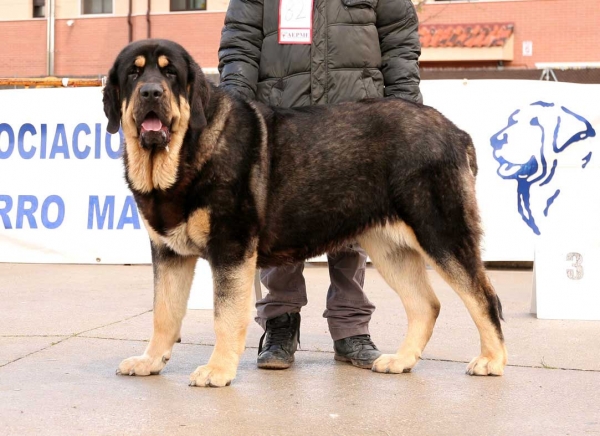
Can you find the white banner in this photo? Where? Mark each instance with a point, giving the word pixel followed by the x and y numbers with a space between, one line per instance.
pixel 63 198
pixel 538 152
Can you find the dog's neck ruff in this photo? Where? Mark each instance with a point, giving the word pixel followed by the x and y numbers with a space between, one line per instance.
pixel 211 136
pixel 148 170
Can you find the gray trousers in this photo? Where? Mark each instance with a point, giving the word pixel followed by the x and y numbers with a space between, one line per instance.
pixel 348 309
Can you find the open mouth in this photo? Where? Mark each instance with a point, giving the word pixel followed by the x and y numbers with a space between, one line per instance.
pixel 153 124
pixel 153 132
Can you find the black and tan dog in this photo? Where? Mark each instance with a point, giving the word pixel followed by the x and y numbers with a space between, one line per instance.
pixel 245 185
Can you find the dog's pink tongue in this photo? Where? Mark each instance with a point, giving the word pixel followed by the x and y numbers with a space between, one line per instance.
pixel 152 123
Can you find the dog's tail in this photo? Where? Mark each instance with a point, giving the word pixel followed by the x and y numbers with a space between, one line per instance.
pixel 471 155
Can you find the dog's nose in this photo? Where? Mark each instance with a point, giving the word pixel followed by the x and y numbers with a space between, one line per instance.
pixel 151 91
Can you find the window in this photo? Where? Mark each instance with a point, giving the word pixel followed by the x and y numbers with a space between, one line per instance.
pixel 97 6
pixel 39 8
pixel 188 5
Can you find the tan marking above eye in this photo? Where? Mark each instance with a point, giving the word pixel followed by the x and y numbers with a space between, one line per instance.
pixel 140 61
pixel 163 61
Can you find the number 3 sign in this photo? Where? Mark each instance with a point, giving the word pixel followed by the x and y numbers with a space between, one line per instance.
pixel 577 272
pixel 566 280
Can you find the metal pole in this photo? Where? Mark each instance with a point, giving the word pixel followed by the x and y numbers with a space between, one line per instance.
pixel 129 21
pixel 50 39
pixel 148 23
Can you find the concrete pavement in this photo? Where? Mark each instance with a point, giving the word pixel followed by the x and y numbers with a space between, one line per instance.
pixel 64 329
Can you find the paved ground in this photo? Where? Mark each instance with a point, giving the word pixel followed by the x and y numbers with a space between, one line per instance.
pixel 64 330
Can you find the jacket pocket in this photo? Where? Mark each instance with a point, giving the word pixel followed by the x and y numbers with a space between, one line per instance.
pixel 360 3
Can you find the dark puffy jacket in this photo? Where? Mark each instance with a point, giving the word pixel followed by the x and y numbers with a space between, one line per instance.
pixel 360 48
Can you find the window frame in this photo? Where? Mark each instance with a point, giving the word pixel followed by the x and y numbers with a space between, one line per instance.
pixel 38 4
pixel 188 9
pixel 101 14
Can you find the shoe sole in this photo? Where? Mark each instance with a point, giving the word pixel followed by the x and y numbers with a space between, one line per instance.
pixel 357 363
pixel 275 364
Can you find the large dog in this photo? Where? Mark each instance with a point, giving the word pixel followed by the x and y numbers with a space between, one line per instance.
pixel 245 185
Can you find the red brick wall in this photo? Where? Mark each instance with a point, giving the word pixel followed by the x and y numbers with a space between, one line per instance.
pixel 198 33
pixel 89 46
pixel 561 30
pixel 23 51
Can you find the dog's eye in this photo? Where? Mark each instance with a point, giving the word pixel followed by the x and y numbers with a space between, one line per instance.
pixel 134 73
pixel 171 74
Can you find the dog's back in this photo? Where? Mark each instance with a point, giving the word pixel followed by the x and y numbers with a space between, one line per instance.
pixel 363 162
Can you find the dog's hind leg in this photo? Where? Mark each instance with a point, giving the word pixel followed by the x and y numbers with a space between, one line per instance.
pixel 403 268
pixel 448 236
pixel 173 275
pixel 478 295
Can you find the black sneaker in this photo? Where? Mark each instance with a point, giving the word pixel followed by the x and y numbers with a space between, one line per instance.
pixel 358 350
pixel 281 341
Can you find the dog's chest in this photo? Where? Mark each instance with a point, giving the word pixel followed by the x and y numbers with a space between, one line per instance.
pixel 187 236
pixel 183 240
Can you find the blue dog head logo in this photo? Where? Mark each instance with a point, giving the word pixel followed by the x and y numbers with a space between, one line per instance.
pixel 529 148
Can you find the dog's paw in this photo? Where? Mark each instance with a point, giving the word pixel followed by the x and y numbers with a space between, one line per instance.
pixel 212 376
pixel 483 365
pixel 142 365
pixel 394 363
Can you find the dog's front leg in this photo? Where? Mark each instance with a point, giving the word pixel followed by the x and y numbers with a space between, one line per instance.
pixel 173 275
pixel 232 307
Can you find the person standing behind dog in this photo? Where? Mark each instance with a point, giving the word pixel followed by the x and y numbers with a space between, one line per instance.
pixel 273 52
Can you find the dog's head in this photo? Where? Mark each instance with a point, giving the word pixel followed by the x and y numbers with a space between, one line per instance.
pixel 533 138
pixel 156 91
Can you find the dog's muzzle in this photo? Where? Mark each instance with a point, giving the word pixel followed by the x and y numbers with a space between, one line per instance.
pixel 155 131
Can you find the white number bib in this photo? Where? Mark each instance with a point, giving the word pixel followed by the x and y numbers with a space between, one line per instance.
pixel 295 21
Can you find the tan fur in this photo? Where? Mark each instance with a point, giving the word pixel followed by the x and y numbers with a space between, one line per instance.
pixel 188 238
pixel 163 61
pixel 198 227
pixel 165 164
pixel 140 62
pixel 173 280
pixel 233 306
pixel 400 259
pixel 158 171
pixel 493 357
pixel 178 240
pixel 154 236
pixel 395 253
pixel 138 160
pixel 210 139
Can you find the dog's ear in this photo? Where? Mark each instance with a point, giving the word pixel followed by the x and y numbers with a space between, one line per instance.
pixel 571 128
pixel 198 95
pixel 110 98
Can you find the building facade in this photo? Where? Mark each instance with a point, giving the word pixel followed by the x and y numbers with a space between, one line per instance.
pixel 77 38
